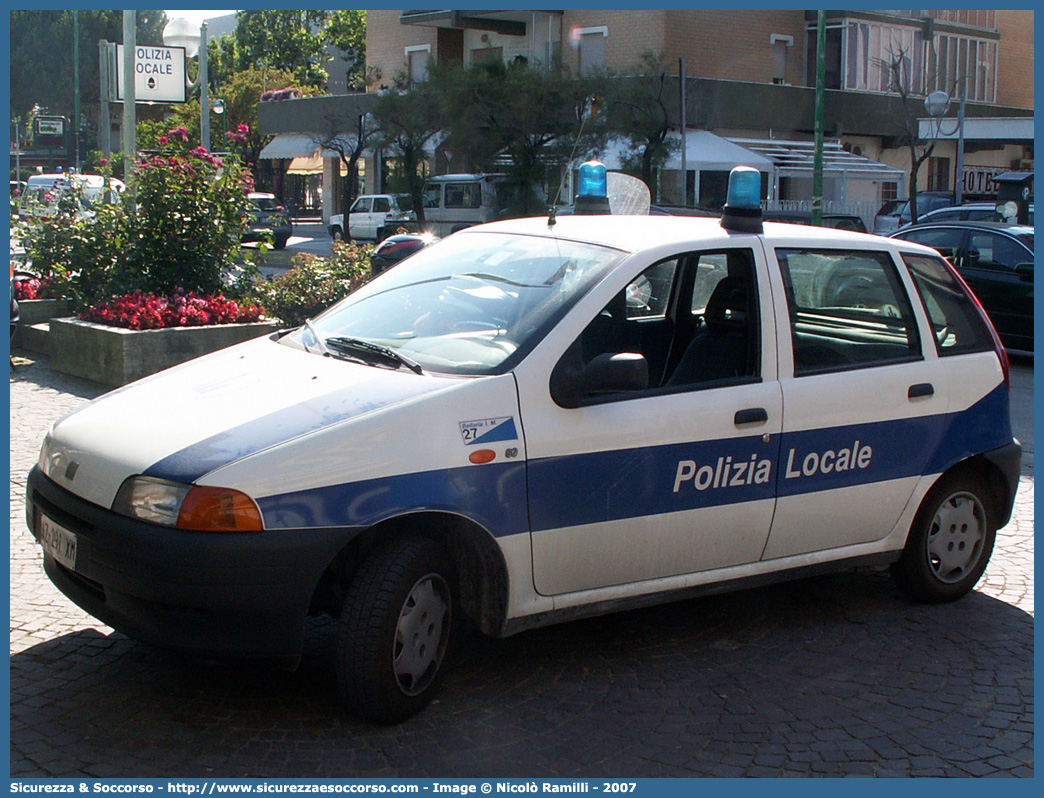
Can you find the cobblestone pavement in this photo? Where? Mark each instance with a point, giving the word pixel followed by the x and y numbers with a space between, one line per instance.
pixel 831 676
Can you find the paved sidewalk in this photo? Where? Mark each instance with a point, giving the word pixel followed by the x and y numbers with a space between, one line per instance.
pixel 832 676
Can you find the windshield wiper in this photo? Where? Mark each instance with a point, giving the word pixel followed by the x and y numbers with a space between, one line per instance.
pixel 357 346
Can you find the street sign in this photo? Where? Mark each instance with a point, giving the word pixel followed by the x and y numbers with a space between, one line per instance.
pixel 159 74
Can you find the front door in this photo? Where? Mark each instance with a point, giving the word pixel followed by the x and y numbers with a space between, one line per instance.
pixel 669 478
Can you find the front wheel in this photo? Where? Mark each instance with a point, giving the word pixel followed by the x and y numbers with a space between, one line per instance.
pixel 396 630
pixel 950 541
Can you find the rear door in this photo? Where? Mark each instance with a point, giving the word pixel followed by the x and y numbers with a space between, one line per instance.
pixel 861 400
pixel 673 478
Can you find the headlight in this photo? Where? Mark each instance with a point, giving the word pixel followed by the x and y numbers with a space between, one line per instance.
pixel 200 508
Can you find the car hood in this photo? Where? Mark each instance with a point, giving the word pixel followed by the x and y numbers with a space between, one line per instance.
pixel 187 421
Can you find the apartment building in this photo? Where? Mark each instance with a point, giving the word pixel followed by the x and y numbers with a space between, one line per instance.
pixel 749 86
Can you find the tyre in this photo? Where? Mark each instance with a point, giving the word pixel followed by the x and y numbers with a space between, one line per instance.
pixel 336 234
pixel 950 541
pixel 280 243
pixel 396 630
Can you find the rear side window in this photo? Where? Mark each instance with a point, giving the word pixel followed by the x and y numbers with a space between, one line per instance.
pixel 463 195
pixel 956 323
pixel 847 310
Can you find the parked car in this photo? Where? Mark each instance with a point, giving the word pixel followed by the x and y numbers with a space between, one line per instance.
pixel 996 260
pixel 896 213
pixel 536 420
pixel 367 216
pixel 396 248
pixel 42 193
pixel 268 218
pixel 840 221
pixel 968 212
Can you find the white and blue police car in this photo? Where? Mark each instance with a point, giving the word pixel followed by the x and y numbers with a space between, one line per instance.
pixel 536 420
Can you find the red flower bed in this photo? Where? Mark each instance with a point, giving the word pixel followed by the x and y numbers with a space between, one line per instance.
pixel 35 288
pixel 138 311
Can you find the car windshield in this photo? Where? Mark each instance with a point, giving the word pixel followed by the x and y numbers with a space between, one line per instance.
pixel 474 303
pixel 265 203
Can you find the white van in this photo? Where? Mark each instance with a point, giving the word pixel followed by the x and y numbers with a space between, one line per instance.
pixel 453 202
pixel 40 198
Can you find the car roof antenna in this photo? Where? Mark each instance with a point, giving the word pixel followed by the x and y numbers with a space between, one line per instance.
pixel 589 109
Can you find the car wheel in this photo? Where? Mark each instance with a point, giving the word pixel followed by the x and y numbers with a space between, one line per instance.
pixel 279 243
pixel 336 234
pixel 396 630
pixel 950 541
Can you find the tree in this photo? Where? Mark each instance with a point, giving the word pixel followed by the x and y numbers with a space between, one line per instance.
pixel 41 55
pixel 511 113
pixel 638 112
pixel 289 40
pixel 899 79
pixel 348 137
pixel 346 30
pixel 409 120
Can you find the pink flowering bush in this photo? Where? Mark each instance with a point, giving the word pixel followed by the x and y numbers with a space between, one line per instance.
pixel 179 224
pixel 147 311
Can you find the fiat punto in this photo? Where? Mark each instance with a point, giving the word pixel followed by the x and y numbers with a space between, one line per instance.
pixel 536 420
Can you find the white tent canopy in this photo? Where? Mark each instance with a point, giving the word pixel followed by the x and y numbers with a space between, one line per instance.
pixel 703 151
pixel 291 145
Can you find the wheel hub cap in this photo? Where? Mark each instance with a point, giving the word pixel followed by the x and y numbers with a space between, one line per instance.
pixel 421 634
pixel 956 537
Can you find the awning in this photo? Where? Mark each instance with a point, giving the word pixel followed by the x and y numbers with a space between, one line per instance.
pixel 704 151
pixel 291 145
pixel 795 159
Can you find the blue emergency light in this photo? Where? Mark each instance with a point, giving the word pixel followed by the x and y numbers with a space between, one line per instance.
pixel 592 189
pixel 742 211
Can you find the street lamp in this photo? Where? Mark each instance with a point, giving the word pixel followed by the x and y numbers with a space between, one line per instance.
pixel 937 103
pixel 182 33
pixel 219 109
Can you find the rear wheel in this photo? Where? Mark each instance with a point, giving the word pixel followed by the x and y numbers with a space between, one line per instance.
pixel 396 630
pixel 950 541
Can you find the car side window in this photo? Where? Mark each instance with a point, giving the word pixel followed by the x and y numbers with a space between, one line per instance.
pixel 848 309
pixel 432 196
pixel 463 195
pixel 946 242
pixel 648 296
pixel 362 205
pixel 381 205
pixel 691 320
pixel 991 251
pixel 956 322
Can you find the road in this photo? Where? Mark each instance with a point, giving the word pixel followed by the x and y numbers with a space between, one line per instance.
pixel 831 676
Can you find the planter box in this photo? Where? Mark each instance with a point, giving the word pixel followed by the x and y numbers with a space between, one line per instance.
pixel 114 356
pixel 35 311
pixel 34 316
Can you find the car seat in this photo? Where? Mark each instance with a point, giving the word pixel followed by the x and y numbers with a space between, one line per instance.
pixel 719 350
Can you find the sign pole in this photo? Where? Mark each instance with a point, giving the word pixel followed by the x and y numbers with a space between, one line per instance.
pixel 130 45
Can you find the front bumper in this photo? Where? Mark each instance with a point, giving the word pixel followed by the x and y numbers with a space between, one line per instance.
pixel 244 594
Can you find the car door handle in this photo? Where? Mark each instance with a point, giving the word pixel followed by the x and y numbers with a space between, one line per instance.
pixel 752 415
pixel 920 390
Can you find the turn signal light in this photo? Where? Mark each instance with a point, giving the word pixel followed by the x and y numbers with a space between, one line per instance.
pixel 210 509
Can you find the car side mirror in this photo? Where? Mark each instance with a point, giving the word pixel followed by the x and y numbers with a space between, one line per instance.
pixel 1025 272
pixel 573 385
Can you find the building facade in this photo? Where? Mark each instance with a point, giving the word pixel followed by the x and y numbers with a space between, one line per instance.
pixel 750 77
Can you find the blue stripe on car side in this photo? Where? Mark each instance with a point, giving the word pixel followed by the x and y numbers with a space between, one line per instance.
pixel 598 487
pixel 492 495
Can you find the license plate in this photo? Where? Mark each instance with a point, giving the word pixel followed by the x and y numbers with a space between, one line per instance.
pixel 58 541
